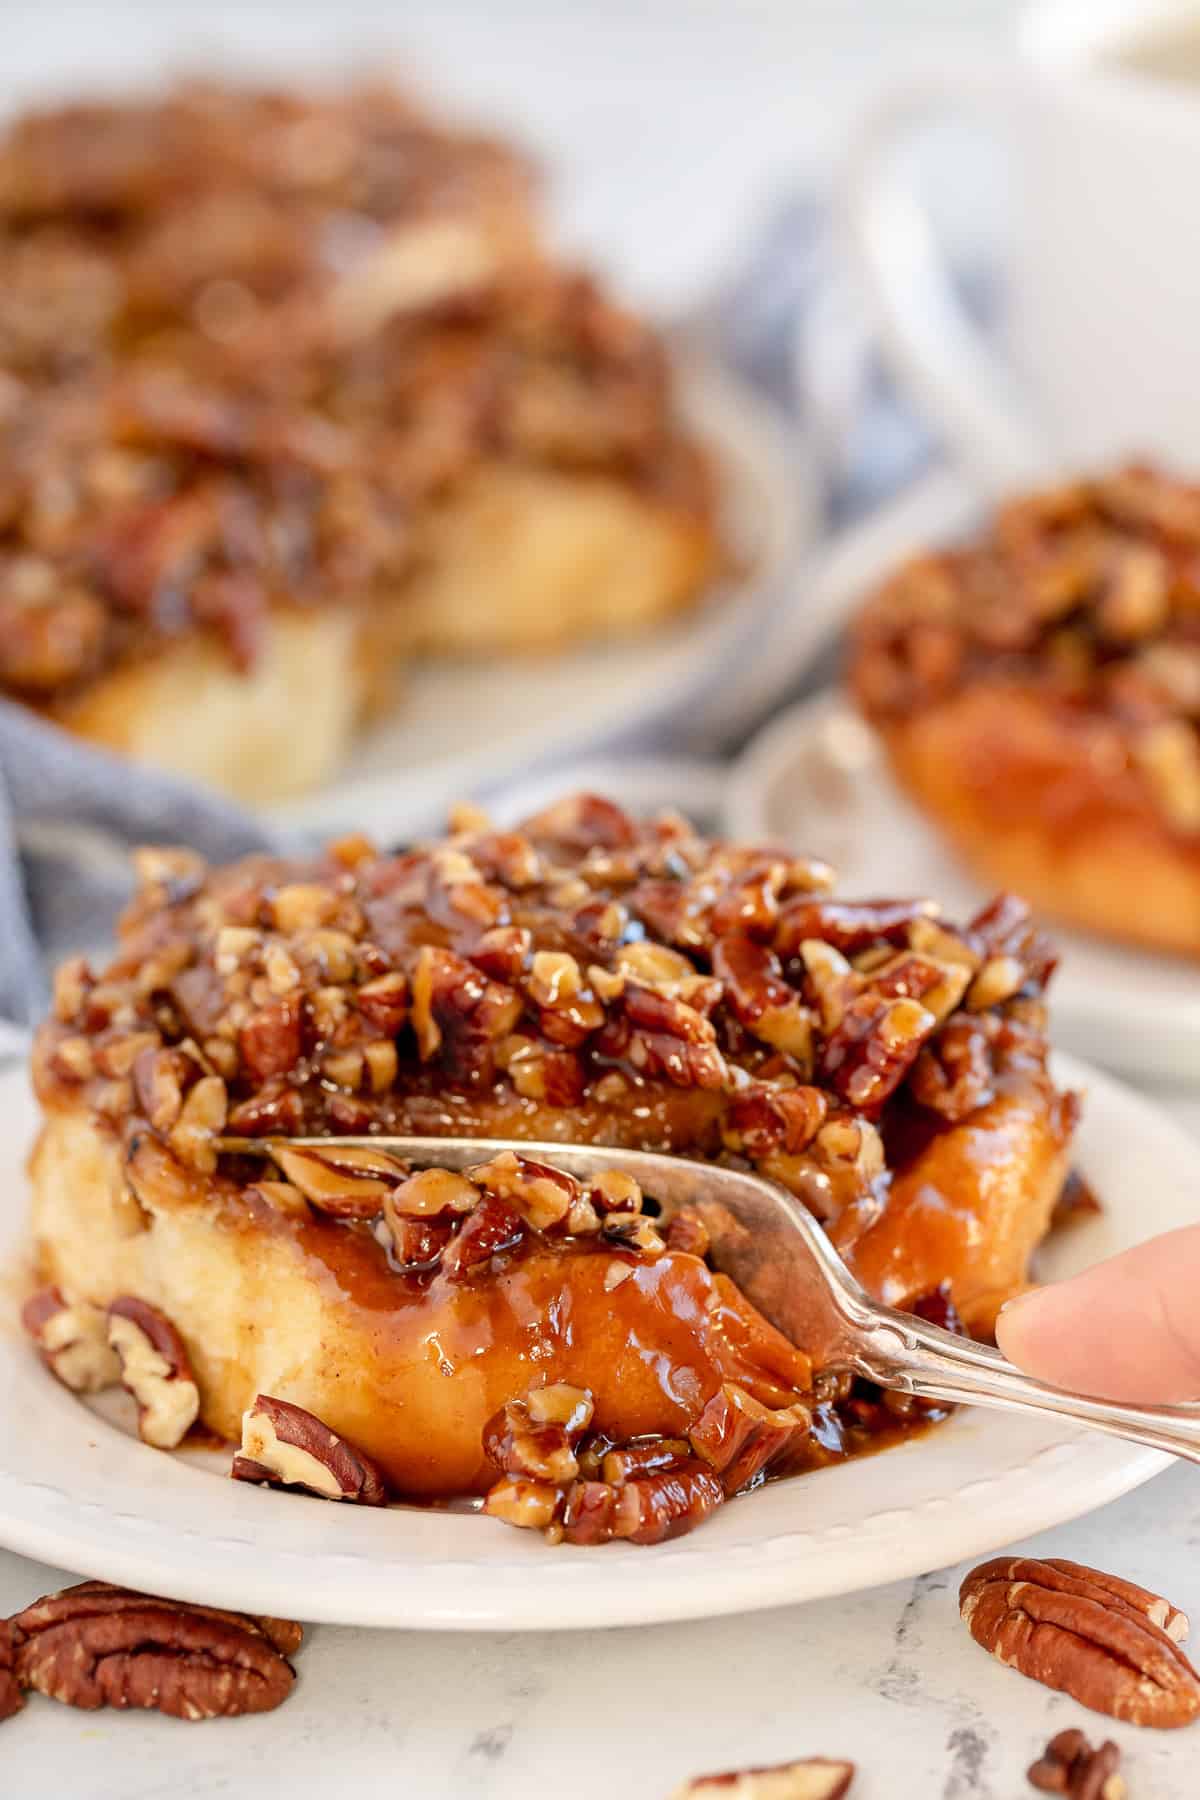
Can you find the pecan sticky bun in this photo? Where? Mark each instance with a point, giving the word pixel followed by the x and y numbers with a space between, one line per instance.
pixel 362 1328
pixel 1038 693
pixel 290 389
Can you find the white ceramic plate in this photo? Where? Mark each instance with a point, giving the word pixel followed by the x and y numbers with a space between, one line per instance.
pixel 461 727
pixel 77 1489
pixel 817 778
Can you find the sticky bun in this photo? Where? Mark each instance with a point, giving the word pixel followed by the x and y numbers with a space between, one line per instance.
pixel 511 1331
pixel 1038 693
pixel 290 389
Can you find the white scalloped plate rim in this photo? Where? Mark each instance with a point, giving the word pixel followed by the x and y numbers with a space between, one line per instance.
pixel 78 1492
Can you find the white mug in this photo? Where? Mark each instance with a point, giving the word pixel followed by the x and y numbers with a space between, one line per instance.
pixel 1099 357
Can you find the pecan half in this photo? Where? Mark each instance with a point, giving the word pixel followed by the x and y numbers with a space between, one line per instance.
pixel 285 1446
pixel 815 1778
pixel 1068 1765
pixel 1093 1639
pixel 95 1645
pixel 156 1370
pixel 73 1341
pixel 848 925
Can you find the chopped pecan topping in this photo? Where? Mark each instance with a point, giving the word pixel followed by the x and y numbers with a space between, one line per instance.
pixel 201 1117
pixel 73 1341
pixel 94 1645
pixel 541 1195
pixel 652 1508
pixel 571 1483
pixel 699 997
pixel 156 1370
pixel 815 1778
pixel 284 1446
pixel 248 356
pixel 740 1438
pixel 687 1233
pixel 1096 1637
pixel 494 1228
pixel 1069 1765
pixel 161 1078
pixel 953 1074
pixel 345 1181
pixel 873 1048
pixel 1086 593
pixel 535 1438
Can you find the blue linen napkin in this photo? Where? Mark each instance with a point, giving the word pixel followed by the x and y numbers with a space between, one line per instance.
pixel 789 322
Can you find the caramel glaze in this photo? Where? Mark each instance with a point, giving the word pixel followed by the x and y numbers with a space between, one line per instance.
pixel 968 1205
pixel 1032 757
pixel 431 1359
pixel 1042 796
pixel 652 1351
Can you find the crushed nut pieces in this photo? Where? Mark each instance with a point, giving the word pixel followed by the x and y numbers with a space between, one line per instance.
pixel 461 1223
pixel 1109 1644
pixel 1069 1765
pixel 686 990
pixel 590 1490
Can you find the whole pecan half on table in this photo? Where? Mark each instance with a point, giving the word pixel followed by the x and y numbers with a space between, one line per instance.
pixel 95 1645
pixel 1109 1644
pixel 815 1778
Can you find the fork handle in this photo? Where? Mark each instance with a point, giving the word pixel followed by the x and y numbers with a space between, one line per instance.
pixel 906 1354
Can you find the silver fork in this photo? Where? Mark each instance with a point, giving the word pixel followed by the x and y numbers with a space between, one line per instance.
pixel 782 1260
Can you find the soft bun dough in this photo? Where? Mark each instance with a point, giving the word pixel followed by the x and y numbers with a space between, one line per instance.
pixel 311 1313
pixel 1043 800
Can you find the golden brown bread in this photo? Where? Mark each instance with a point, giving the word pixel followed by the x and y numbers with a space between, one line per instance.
pixel 1038 693
pixel 584 978
pixel 1044 801
pixel 512 560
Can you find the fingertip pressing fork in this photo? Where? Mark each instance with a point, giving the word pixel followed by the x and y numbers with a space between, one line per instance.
pixel 781 1259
